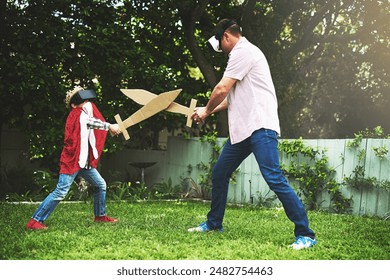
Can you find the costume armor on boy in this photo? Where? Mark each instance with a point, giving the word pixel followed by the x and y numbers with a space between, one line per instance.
pixel 80 151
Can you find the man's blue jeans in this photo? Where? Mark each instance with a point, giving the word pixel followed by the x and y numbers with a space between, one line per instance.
pixel 263 143
pixel 62 189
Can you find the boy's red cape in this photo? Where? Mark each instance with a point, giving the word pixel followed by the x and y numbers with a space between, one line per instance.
pixel 69 161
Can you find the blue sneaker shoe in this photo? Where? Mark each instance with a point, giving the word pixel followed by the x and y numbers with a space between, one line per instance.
pixel 302 242
pixel 203 227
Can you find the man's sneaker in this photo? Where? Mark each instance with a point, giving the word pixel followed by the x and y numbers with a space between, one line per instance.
pixel 105 219
pixel 203 227
pixel 302 242
pixel 35 225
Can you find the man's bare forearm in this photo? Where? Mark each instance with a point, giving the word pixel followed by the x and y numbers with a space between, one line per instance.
pixel 222 106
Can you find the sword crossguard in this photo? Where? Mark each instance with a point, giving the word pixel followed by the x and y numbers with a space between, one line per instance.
pixel 122 126
pixel 190 111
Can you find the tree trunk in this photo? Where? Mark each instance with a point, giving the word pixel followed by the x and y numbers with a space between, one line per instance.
pixel 2 54
pixel 190 15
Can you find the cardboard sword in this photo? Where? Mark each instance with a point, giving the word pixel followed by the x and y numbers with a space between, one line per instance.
pixel 143 96
pixel 152 106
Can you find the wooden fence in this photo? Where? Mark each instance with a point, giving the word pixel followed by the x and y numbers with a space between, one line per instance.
pixel 179 162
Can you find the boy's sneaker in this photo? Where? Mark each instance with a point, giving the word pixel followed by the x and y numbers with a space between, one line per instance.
pixel 105 219
pixel 302 242
pixel 203 227
pixel 35 225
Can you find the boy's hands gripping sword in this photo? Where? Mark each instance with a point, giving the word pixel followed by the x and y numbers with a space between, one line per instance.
pixel 152 107
pixel 142 97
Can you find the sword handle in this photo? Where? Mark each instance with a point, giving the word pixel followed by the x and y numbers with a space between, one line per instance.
pixel 122 127
pixel 190 111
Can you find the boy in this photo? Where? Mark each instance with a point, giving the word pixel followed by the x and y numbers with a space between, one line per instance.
pixel 85 134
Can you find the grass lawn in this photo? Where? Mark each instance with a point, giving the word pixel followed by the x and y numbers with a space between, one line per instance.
pixel 158 231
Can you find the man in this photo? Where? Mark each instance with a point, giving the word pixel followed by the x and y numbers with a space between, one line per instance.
pixel 85 135
pixel 247 91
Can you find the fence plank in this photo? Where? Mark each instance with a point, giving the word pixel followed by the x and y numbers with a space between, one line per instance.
pixel 335 150
pixel 372 169
pixel 249 185
pixel 351 160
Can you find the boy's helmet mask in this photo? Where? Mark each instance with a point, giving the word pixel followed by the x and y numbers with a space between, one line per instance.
pixel 78 95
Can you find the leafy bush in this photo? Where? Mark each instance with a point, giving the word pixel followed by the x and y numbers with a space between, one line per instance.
pixel 166 190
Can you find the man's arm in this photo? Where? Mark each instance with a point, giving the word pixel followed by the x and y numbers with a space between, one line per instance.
pixel 219 94
pixel 217 101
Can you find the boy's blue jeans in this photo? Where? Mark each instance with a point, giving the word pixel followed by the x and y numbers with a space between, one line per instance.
pixel 62 189
pixel 263 143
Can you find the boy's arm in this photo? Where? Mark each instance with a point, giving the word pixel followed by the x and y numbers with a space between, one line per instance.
pixel 94 123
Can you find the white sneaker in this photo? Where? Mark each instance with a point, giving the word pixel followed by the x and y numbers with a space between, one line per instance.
pixel 203 227
pixel 302 242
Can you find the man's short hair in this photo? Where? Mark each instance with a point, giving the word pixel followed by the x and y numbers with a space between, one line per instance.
pixel 229 25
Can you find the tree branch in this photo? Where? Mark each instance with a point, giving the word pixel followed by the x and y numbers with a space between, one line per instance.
pixel 190 15
pixel 308 34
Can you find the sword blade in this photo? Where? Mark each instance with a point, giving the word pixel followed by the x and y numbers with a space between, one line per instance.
pixel 142 97
pixel 139 96
pixel 157 104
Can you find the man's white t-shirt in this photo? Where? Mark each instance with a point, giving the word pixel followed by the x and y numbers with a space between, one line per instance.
pixel 252 102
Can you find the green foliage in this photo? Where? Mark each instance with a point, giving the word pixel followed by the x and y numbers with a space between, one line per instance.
pixel 316 101
pixel 194 190
pixel 166 190
pixel 15 180
pixel 313 174
pixel 265 201
pixel 50 47
pixel 22 184
pixel 381 152
pixel 42 182
pixel 120 191
pixel 356 141
pixel 358 179
pixel 376 132
pixel 205 178
pixel 313 48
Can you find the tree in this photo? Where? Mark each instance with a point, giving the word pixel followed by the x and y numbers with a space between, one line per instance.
pixel 329 60
pixel 50 46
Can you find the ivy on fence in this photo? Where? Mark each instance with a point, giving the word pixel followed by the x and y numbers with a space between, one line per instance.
pixel 313 174
pixel 358 178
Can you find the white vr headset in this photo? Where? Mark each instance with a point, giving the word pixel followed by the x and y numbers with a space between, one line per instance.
pixel 214 44
pixel 222 26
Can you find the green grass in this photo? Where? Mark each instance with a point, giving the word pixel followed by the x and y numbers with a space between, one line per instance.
pixel 158 230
